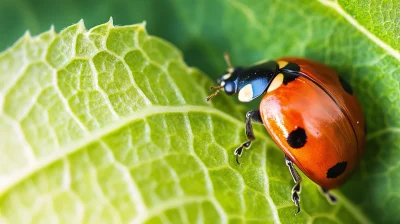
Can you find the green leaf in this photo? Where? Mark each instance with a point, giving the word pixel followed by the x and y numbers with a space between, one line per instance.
pixel 357 39
pixel 110 125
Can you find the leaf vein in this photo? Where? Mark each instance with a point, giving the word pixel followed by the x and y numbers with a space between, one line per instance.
pixel 72 148
pixel 387 48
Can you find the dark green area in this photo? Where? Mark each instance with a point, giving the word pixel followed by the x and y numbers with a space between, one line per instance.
pixel 196 28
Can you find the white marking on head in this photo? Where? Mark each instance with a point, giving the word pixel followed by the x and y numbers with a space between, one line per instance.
pixel 276 82
pixel 246 93
pixel 227 76
pixel 223 83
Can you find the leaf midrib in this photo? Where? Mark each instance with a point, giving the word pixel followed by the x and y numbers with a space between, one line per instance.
pixel 95 136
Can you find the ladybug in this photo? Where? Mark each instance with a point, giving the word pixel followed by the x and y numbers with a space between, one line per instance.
pixel 309 111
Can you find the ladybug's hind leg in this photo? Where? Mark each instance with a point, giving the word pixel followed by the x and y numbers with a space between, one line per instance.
pixel 297 187
pixel 330 197
pixel 251 116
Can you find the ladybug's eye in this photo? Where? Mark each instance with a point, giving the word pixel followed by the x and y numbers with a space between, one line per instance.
pixel 229 87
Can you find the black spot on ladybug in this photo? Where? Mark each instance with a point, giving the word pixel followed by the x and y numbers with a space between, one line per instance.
pixel 290 72
pixel 336 170
pixel 288 77
pixel 346 86
pixel 297 138
pixel 291 67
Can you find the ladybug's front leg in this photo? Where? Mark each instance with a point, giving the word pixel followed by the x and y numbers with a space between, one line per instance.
pixel 251 116
pixel 297 179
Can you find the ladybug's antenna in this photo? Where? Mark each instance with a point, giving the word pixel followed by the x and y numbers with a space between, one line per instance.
pixel 218 89
pixel 228 62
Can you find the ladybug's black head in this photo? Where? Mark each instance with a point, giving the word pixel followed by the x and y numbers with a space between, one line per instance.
pixel 227 83
pixel 249 83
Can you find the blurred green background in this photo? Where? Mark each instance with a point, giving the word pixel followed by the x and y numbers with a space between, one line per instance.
pixel 164 18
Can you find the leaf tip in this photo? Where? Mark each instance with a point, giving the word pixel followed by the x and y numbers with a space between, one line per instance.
pixel 81 25
pixel 110 21
pixel 27 35
pixel 142 25
pixel 52 30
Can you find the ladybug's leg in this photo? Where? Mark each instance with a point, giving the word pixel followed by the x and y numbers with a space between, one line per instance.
pixel 330 197
pixel 297 179
pixel 251 116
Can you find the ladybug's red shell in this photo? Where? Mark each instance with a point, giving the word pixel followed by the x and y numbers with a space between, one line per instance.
pixel 317 122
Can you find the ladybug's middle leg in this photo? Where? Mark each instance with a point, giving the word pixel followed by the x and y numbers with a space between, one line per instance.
pixel 297 179
pixel 330 197
pixel 251 116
